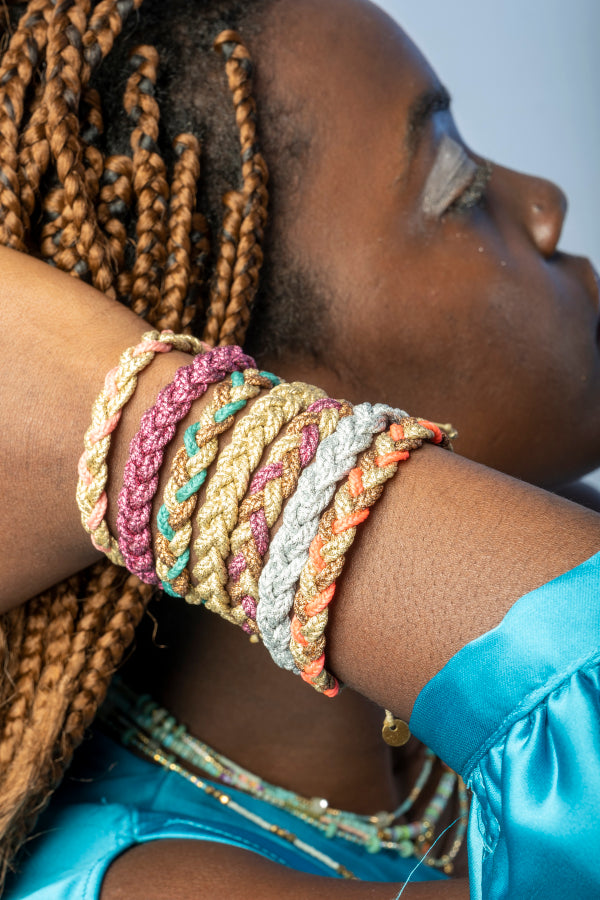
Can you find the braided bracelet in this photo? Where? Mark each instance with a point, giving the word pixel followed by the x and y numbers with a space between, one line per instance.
pixel 188 473
pixel 119 385
pixel 336 533
pixel 218 515
pixel 140 477
pixel 288 553
pixel 271 485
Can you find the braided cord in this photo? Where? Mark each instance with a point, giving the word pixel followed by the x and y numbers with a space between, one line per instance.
pixel 16 72
pixel 150 184
pixel 157 428
pixel 288 553
pixel 217 517
pixel 249 253
pixel 337 530
pixel 271 485
pixel 119 385
pixel 188 474
pixel 182 205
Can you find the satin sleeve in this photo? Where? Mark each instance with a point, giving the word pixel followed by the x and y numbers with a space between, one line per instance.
pixel 517 713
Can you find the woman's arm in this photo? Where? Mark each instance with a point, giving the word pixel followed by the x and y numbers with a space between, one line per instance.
pixel 194 870
pixel 60 338
pixel 451 546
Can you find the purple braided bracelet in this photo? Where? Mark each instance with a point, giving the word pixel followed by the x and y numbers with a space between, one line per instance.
pixel 157 428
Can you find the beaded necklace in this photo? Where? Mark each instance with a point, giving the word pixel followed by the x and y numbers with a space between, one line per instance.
pixel 140 723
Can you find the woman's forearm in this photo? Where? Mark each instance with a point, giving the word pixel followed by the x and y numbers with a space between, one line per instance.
pixel 449 548
pixel 54 359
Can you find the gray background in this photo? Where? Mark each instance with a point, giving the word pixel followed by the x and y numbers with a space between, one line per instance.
pixel 525 81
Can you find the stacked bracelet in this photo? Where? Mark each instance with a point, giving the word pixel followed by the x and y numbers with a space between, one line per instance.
pixel 188 473
pixel 140 477
pixel 287 601
pixel 218 515
pixel 119 386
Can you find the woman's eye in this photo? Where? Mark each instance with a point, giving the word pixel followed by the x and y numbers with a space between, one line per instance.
pixel 456 182
pixel 474 194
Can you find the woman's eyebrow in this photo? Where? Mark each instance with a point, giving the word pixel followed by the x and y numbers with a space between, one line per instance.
pixel 433 99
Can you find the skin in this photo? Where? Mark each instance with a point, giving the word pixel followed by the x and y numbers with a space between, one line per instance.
pixel 473 316
pixel 521 336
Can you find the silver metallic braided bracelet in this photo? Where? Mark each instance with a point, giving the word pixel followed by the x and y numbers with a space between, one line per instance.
pixel 289 549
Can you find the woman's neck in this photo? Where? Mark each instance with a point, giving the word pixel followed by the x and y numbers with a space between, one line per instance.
pixel 232 696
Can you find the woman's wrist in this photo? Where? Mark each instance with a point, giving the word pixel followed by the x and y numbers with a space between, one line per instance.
pixel 452 547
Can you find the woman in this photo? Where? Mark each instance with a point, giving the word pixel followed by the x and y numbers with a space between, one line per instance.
pixel 424 276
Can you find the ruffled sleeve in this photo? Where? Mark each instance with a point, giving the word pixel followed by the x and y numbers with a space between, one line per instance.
pixel 517 713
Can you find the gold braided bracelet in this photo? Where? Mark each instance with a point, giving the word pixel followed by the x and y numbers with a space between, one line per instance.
pixel 188 473
pixel 119 386
pixel 217 517
pixel 270 487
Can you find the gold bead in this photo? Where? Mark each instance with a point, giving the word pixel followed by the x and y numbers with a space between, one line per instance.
pixel 395 732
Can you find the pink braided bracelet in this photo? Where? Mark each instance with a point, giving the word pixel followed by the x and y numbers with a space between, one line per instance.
pixel 157 428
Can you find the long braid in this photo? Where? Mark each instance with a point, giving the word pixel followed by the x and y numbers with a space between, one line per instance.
pixel 81 244
pixel 59 652
pixel 106 24
pixel 181 211
pixel 149 184
pixel 93 127
pixel 200 253
pixel 255 196
pixel 221 287
pixel 113 209
pixel 25 679
pixel 16 72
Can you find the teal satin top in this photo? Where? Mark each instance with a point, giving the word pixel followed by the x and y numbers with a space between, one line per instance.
pixel 517 712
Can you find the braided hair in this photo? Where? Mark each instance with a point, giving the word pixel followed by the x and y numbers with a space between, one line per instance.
pixel 130 158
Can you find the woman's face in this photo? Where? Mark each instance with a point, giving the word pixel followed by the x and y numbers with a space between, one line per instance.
pixel 449 297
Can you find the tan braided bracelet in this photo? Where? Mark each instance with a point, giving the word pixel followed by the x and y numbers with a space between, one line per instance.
pixel 119 386
pixel 217 517
pixel 271 485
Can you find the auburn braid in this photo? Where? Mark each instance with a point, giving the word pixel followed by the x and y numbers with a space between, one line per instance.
pixel 200 252
pixel 181 211
pixel 249 256
pixel 149 184
pixel 16 71
pixel 221 286
pixel 93 126
pixel 24 678
pixel 113 209
pixel 59 651
pixel 106 24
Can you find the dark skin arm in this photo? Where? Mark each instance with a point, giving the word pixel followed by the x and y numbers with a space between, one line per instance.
pixel 191 870
pixel 451 546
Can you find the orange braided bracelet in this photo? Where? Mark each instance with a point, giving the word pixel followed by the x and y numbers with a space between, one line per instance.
pixel 336 533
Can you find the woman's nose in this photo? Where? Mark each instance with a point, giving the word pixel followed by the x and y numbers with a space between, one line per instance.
pixel 544 208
